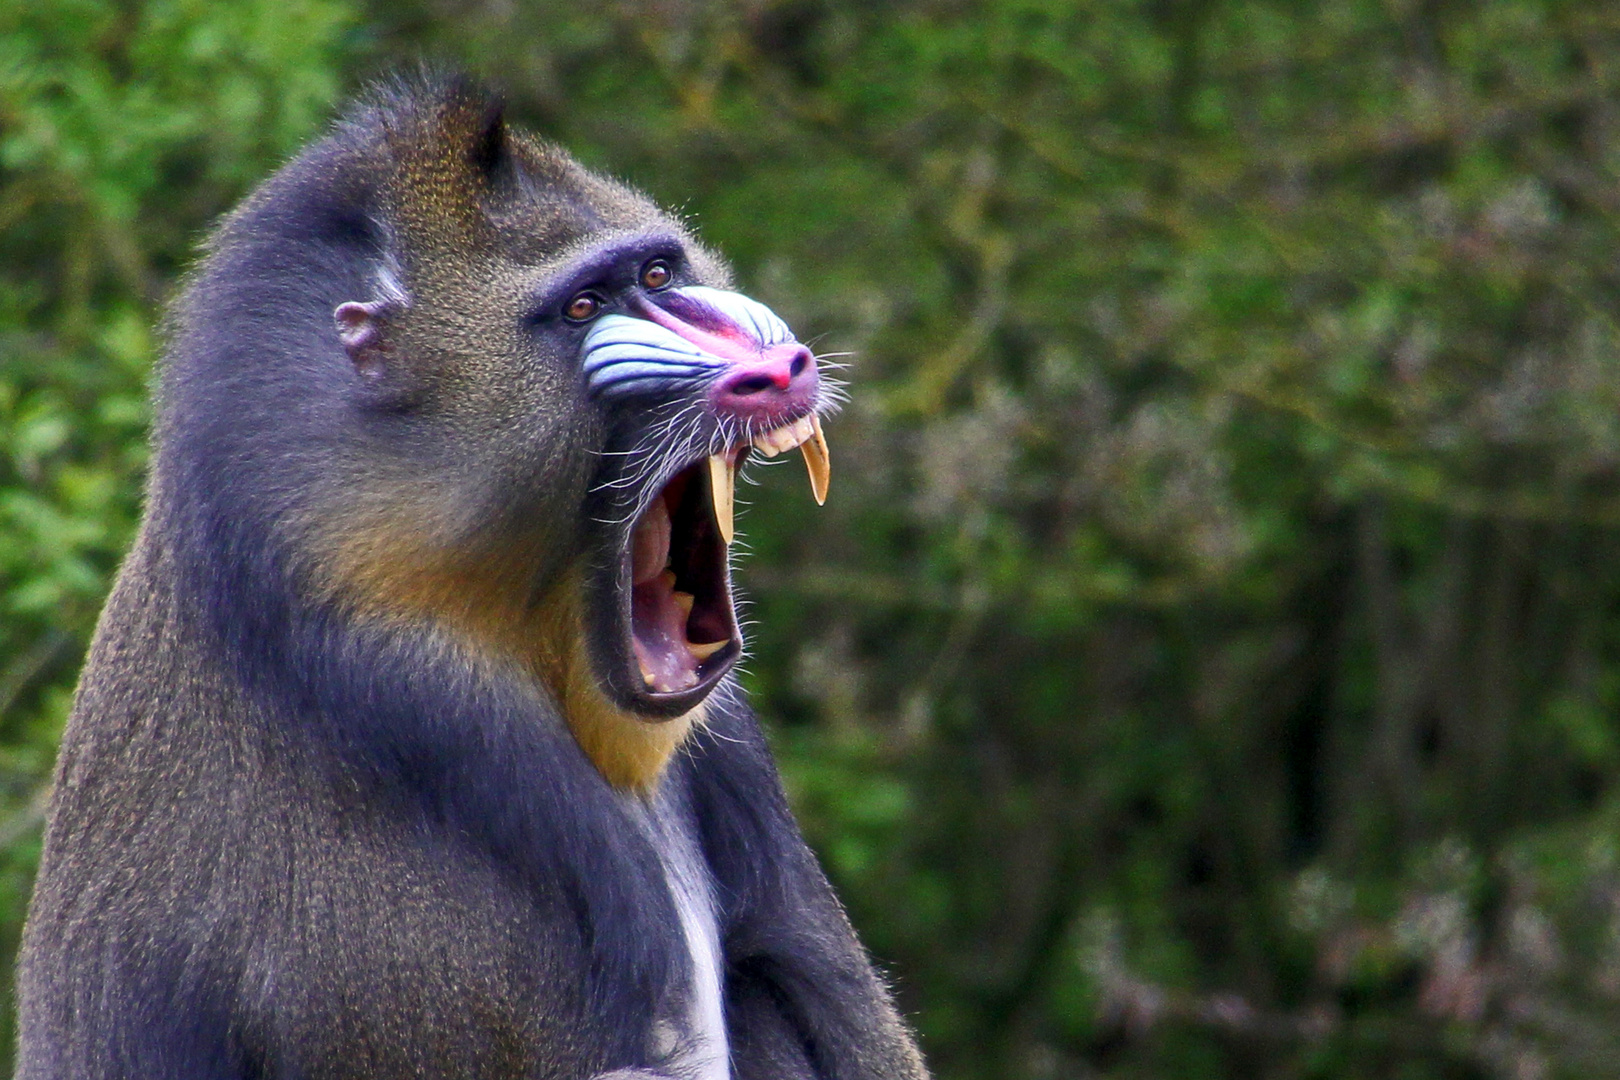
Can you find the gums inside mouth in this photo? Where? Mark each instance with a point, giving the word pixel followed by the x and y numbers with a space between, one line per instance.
pixel 683 628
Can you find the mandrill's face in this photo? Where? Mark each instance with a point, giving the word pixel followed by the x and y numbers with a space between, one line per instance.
pixel 693 378
pixel 552 389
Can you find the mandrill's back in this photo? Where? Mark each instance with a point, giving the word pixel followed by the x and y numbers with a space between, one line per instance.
pixel 409 743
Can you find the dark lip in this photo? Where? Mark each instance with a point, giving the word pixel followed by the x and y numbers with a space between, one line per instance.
pixel 631 692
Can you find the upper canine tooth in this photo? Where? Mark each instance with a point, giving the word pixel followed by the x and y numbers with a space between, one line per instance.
pixel 816 461
pixel 722 489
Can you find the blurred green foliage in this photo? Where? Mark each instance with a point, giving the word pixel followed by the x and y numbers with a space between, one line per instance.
pixel 1208 664
pixel 123 130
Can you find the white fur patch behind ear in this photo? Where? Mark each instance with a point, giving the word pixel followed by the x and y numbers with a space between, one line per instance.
pixel 389 287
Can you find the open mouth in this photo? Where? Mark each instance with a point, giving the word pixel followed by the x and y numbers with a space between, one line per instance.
pixel 682 618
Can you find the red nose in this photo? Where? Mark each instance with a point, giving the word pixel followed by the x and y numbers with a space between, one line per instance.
pixel 779 383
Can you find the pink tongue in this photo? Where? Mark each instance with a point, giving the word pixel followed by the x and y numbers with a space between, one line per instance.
pixel 649 547
pixel 659 636
pixel 658 625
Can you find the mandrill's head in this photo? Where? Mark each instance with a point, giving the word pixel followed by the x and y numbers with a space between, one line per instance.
pixel 455 384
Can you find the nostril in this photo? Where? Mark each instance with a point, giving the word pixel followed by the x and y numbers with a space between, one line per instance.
pixel 754 384
pixel 782 378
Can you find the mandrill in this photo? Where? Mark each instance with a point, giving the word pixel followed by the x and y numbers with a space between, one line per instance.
pixel 408 744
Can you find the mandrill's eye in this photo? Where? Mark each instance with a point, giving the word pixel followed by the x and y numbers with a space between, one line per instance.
pixel 582 307
pixel 656 274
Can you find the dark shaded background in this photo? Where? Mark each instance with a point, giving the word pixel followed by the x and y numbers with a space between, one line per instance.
pixel 1207 664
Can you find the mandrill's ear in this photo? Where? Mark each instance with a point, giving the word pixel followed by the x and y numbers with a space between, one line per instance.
pixel 449 173
pixel 363 329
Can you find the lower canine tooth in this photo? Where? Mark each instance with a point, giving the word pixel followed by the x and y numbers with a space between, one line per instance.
pixel 814 450
pixel 722 488
pixel 706 650
pixel 763 444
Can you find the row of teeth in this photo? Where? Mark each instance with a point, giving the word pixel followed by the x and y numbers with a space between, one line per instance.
pixel 804 434
pixel 787 438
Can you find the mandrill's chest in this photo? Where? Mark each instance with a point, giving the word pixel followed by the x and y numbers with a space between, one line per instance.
pixel 691 1039
pixel 432 959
